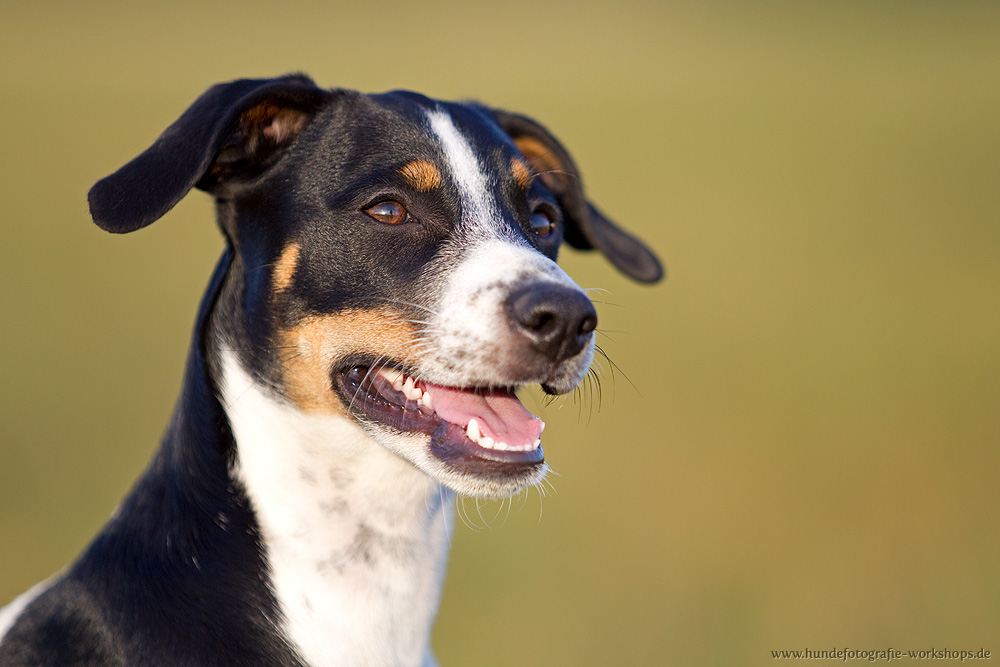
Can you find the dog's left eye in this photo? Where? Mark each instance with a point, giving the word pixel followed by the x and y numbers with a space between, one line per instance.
pixel 389 212
pixel 541 223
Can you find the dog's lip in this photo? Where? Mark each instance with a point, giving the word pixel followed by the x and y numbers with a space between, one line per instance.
pixel 465 425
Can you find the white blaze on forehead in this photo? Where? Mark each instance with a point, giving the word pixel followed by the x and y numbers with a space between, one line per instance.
pixel 478 207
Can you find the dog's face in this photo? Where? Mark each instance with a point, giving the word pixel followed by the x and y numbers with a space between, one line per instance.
pixel 395 265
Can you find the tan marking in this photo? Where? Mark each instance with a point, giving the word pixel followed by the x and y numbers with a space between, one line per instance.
pixel 522 172
pixel 421 174
pixel 316 345
pixel 540 157
pixel 276 123
pixel 263 127
pixel 548 169
pixel 284 268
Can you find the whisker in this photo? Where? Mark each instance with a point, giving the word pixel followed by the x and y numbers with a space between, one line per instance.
pixel 600 391
pixel 559 171
pixel 616 367
pixel 408 303
pixel 602 332
pixel 463 514
pixel 241 395
pixel 253 349
pixel 479 511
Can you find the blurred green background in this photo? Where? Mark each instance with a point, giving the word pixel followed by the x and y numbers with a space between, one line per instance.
pixel 802 445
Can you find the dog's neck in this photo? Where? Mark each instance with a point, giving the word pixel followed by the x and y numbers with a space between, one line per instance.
pixel 355 538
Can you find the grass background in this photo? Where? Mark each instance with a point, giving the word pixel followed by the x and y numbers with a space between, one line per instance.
pixel 805 451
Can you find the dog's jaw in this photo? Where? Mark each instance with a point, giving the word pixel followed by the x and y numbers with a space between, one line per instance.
pixel 450 439
pixel 355 538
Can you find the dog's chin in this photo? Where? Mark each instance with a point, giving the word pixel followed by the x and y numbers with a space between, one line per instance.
pixel 476 441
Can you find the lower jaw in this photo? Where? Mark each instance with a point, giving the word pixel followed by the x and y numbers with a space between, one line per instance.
pixel 504 471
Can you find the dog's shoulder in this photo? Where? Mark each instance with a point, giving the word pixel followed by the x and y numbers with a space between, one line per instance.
pixel 61 625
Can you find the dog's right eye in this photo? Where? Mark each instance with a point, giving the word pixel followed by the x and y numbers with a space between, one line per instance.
pixel 541 223
pixel 389 212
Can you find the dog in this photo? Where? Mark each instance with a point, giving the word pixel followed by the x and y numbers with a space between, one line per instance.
pixel 388 282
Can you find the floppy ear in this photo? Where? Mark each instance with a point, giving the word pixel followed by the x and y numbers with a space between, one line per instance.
pixel 233 130
pixel 586 227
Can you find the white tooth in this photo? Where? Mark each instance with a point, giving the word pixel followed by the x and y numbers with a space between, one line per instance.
pixel 398 383
pixel 486 442
pixel 391 374
pixel 543 426
pixel 536 445
pixel 427 399
pixel 411 391
pixel 473 430
pixel 502 446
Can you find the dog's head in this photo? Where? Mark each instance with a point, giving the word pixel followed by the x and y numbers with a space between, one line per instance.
pixel 393 261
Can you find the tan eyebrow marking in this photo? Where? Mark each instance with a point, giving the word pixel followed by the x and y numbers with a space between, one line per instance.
pixel 421 174
pixel 522 172
pixel 284 268
pixel 540 157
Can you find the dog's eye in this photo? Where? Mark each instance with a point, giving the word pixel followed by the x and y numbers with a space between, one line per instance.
pixel 389 212
pixel 541 223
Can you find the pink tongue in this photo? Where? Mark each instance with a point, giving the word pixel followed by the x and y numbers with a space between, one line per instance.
pixel 500 414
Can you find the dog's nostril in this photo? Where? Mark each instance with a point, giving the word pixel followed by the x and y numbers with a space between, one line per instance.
pixel 540 321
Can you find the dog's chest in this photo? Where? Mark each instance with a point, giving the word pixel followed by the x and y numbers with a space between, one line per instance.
pixel 355 538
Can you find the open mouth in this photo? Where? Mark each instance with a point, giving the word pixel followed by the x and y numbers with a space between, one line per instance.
pixel 470 429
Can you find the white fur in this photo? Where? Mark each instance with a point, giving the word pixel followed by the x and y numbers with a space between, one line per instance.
pixel 469 312
pixel 356 538
pixel 478 208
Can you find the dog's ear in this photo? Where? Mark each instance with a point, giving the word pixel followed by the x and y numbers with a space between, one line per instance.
pixel 586 227
pixel 234 130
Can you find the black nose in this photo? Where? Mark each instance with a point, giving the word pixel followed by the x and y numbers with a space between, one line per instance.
pixel 556 320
